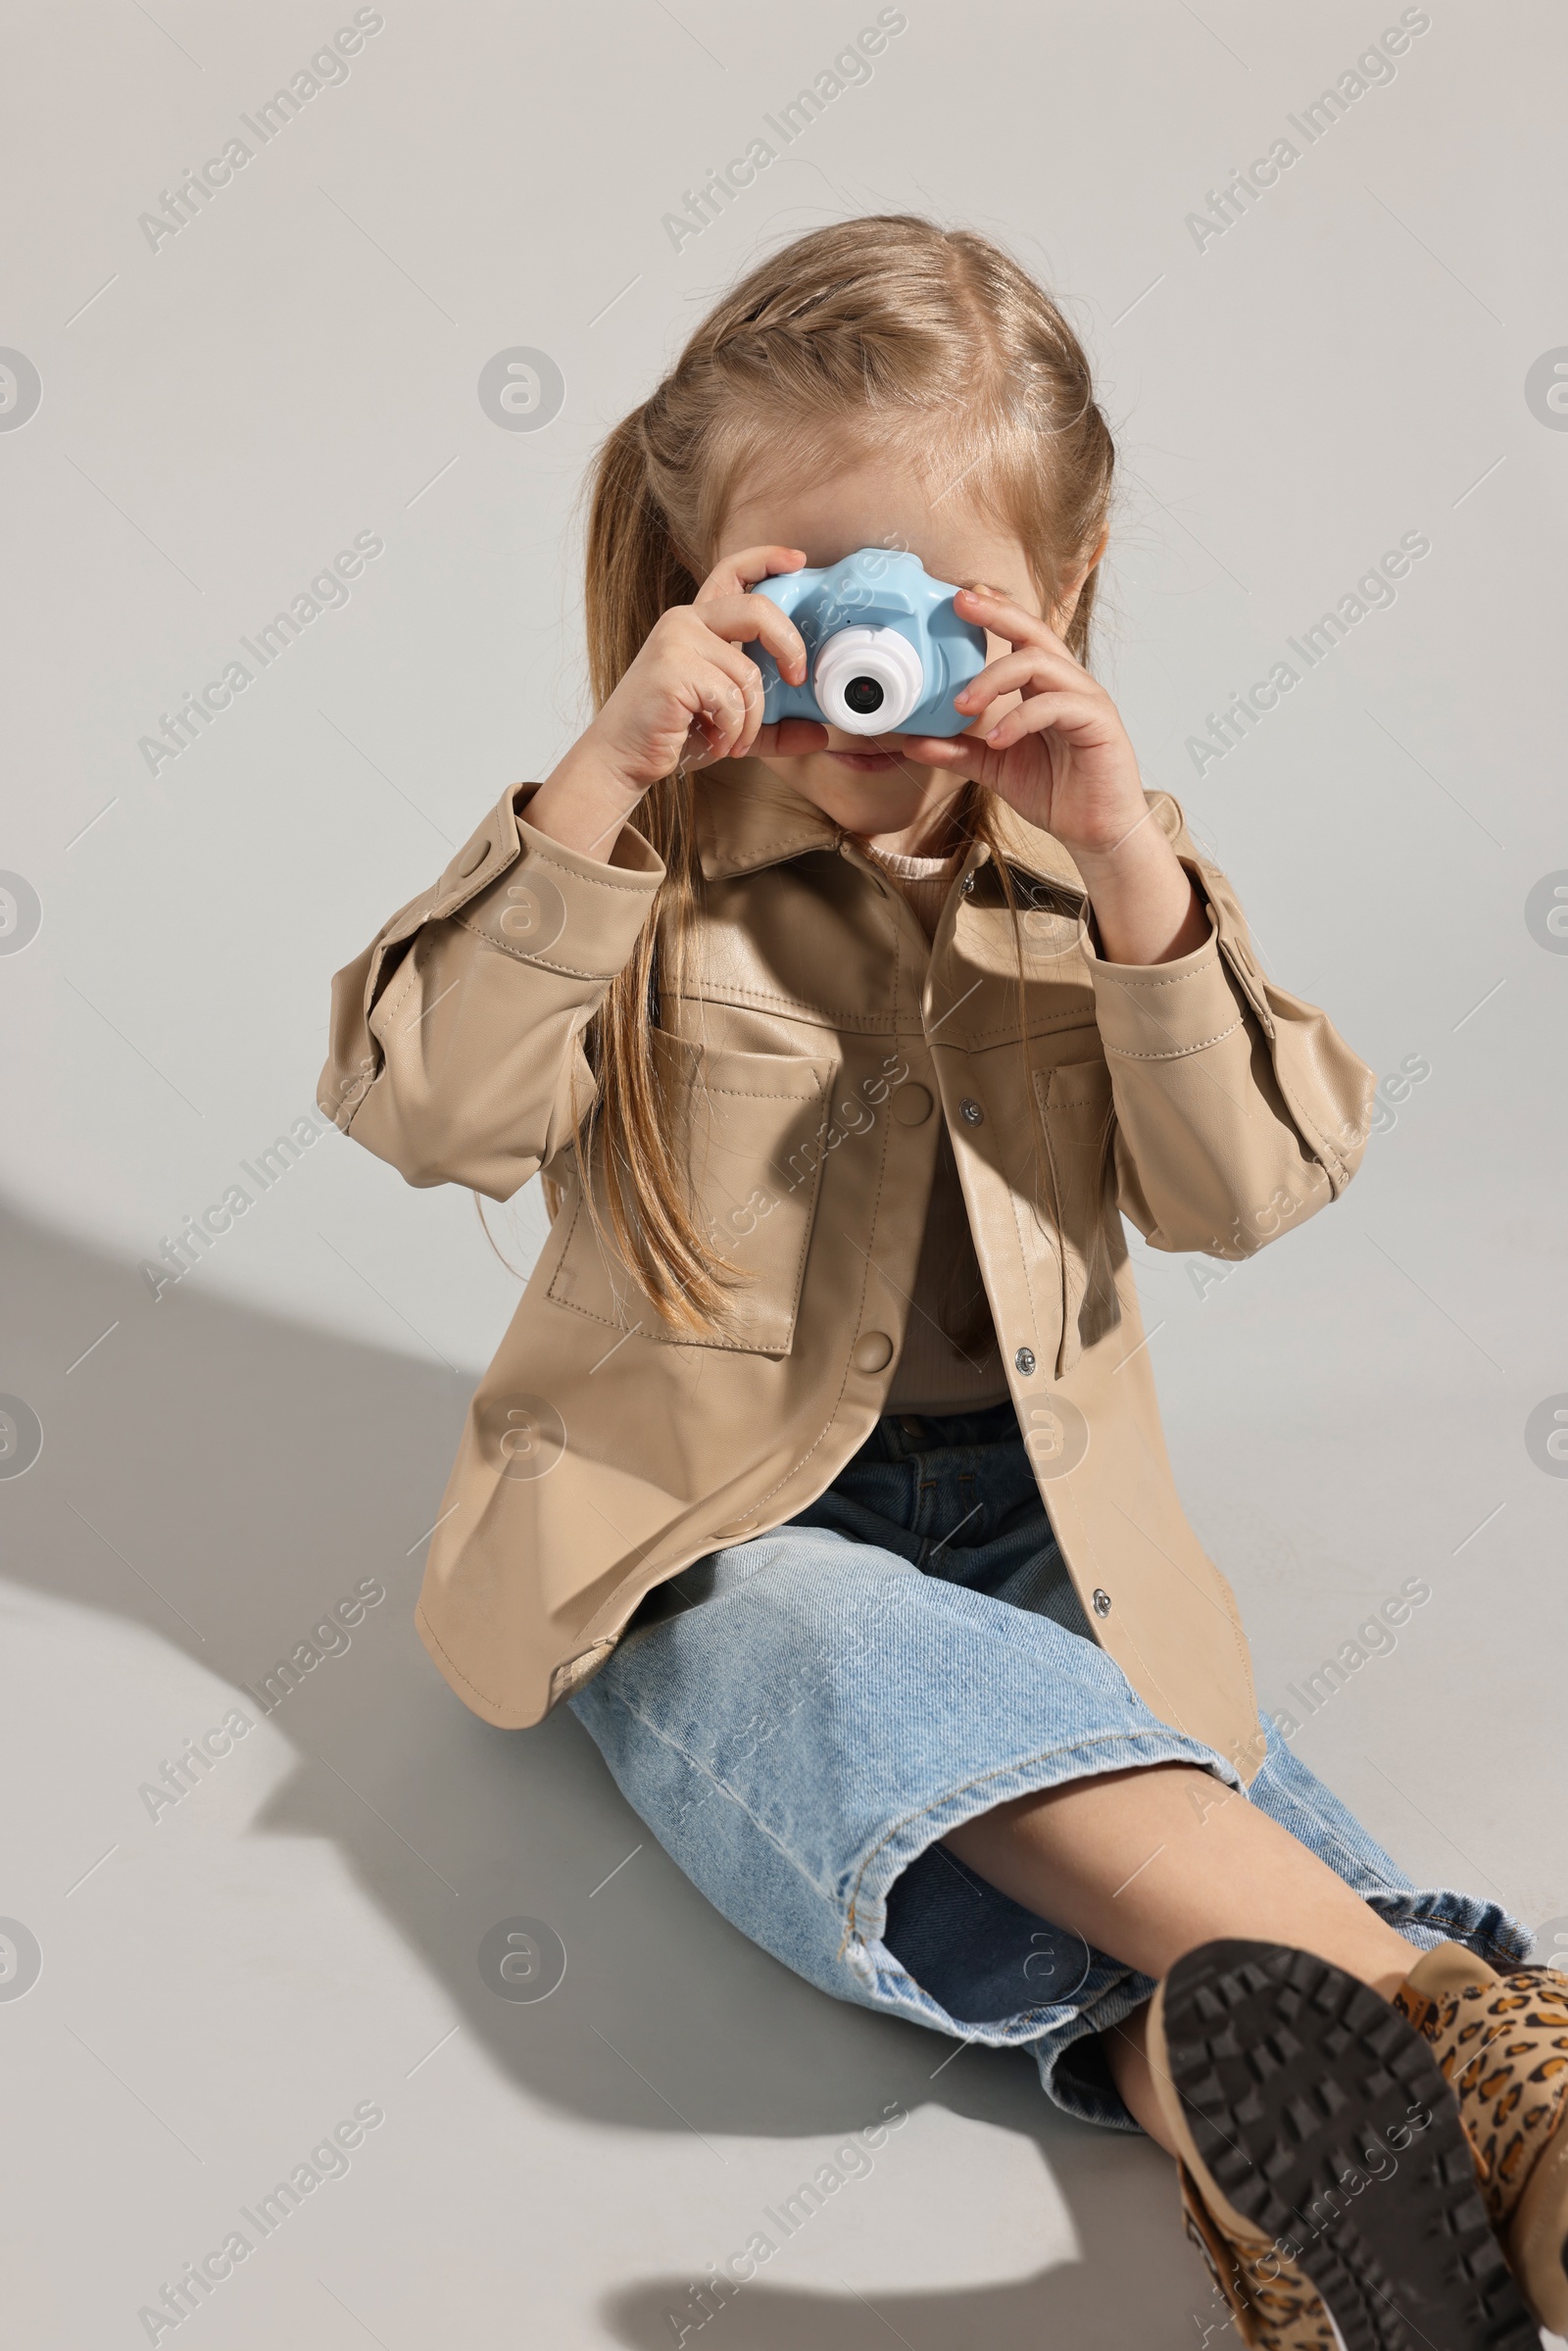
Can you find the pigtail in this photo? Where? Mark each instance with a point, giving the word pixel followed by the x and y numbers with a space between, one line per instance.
pixel 634 573
pixel 633 570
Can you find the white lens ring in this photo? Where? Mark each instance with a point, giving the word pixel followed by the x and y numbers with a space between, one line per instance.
pixel 868 680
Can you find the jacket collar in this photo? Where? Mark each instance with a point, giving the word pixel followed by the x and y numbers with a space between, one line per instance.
pixel 748 817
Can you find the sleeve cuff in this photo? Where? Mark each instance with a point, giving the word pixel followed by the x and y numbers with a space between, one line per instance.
pixel 545 903
pixel 1160 1011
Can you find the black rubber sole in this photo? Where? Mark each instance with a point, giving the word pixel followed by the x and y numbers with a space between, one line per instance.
pixel 1324 2120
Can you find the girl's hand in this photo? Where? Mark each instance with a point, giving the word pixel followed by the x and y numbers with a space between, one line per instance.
pixel 690 696
pixel 1061 758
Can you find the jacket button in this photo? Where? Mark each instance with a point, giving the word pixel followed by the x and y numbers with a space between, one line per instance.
pixel 473 857
pixel 911 1106
pixel 971 1112
pixel 1025 1361
pixel 1102 1601
pixel 873 1352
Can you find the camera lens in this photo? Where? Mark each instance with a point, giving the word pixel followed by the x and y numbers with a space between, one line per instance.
pixel 867 680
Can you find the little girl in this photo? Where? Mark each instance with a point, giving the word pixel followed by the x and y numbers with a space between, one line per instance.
pixel 820 1470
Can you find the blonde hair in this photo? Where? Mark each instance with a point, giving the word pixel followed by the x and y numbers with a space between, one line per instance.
pixel 884 334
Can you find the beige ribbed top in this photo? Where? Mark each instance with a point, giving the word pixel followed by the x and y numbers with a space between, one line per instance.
pixel 951 1361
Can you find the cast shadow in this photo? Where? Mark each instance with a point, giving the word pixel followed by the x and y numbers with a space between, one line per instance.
pixel 221 1478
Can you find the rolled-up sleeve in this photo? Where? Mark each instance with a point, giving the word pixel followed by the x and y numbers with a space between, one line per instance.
pixel 456 1048
pixel 1240 1110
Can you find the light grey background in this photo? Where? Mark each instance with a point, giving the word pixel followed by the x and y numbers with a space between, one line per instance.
pixel 219 416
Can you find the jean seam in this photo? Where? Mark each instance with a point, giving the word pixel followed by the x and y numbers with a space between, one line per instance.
pixel 695 1763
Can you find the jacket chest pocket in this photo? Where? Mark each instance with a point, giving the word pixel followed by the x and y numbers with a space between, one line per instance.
pixel 753 1130
pixel 1080 1121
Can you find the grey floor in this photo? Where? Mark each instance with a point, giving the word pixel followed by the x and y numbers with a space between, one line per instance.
pixel 300 1932
pixel 224 1980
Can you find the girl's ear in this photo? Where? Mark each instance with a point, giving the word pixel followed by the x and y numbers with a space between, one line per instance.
pixel 1072 588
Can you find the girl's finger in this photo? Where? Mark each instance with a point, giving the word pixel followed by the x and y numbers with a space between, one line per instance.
pixel 1044 713
pixel 1005 618
pixel 721 708
pixel 960 755
pixel 719 654
pixel 978 756
pixel 744 674
pixel 742 620
pixel 734 573
pixel 1033 665
pixel 791 739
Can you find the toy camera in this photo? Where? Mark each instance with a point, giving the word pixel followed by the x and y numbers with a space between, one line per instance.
pixel 885 650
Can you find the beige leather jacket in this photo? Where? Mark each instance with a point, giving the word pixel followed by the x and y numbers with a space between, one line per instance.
pixel 817 1041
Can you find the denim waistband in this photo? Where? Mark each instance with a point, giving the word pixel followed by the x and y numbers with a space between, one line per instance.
pixel 955 1495
pixel 902 1436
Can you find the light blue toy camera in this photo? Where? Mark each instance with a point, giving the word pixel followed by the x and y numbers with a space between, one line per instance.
pixel 886 652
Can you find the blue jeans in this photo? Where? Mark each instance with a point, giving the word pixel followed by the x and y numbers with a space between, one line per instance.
pixel 800 1719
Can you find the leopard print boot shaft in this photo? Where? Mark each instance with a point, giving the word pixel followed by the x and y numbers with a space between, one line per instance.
pixel 1501 2044
pixel 1270 2304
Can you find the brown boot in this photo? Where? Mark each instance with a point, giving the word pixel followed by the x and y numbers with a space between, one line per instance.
pixel 1325 2153
pixel 1501 2042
